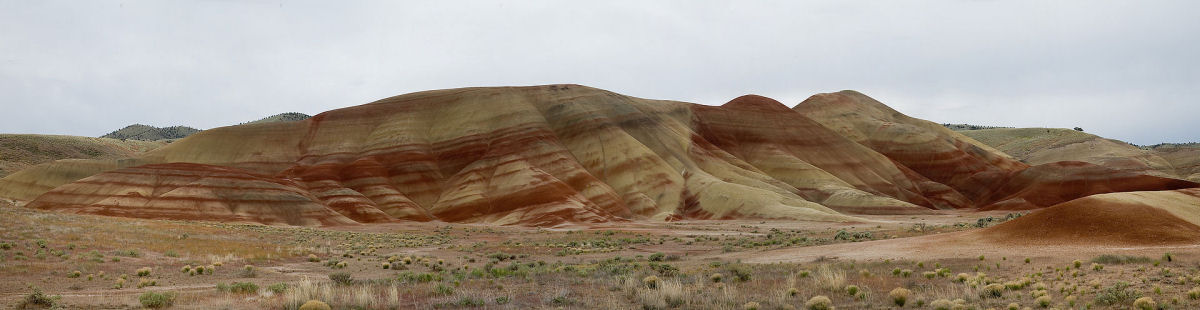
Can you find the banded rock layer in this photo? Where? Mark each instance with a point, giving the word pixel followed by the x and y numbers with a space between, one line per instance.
pixel 544 156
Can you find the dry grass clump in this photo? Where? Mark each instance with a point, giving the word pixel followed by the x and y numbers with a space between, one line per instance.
pixel 941 304
pixel 666 294
pixel 830 278
pixel 899 296
pixel 716 277
pixel 819 302
pixel 651 281
pixel 315 305
pixel 1043 301
pixel 751 306
pixel 1194 293
pixel 143 272
pixel 146 282
pixel 1145 303
pixel 249 271
pixel 994 290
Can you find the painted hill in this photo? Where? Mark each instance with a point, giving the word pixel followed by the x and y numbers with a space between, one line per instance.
pixel 18 151
pixel 560 154
pixel 1037 146
pixel 150 133
pixel 968 167
pixel 1184 158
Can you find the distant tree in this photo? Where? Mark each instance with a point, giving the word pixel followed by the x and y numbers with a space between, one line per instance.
pixel 1078 129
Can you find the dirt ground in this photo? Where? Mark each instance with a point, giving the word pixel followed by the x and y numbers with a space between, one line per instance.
pixel 775 264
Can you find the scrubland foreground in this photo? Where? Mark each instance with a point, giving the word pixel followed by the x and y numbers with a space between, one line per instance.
pixel 55 260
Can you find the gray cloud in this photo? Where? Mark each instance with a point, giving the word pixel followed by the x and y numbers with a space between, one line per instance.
pixel 1120 69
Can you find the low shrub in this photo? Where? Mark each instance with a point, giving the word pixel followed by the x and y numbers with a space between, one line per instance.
pixel 1109 259
pixel 341 278
pixel 1117 294
pixel 819 303
pixel 899 296
pixel 38 299
pixel 249 271
pixel 156 300
pixel 238 287
pixel 1043 301
pixel 994 290
pixel 651 281
pixel 1145 303
pixel 277 288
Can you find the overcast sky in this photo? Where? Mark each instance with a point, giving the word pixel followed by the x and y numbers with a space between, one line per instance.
pixel 1121 69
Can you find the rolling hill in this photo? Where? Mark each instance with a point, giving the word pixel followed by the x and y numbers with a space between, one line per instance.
pixel 560 154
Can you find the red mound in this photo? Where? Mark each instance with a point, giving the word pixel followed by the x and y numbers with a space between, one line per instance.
pixel 756 102
pixel 1053 183
pixel 1097 220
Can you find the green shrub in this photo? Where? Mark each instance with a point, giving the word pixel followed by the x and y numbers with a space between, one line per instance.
pixel 143 272
pixel 155 300
pixel 277 288
pixel 502 300
pixel 39 299
pixel 657 257
pixel 1117 294
pixel 443 289
pixel 467 301
pixel 1109 259
pixel 740 273
pixel 852 290
pixel 238 287
pixel 341 278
